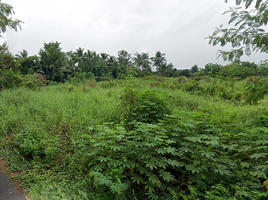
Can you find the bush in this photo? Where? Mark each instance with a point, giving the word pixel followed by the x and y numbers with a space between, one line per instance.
pixel 124 165
pixel 31 142
pixel 10 79
pixel 177 159
pixel 145 106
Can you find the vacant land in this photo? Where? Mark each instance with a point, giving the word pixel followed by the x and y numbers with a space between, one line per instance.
pixel 150 138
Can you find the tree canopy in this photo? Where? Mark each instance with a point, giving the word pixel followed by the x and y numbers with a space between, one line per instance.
pixel 248 33
pixel 6 20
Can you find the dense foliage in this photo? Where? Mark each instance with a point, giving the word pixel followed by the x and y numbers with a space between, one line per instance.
pixel 100 143
pixel 248 34
pixel 6 21
pixel 82 125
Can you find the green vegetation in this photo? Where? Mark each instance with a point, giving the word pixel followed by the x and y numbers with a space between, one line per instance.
pixel 82 125
pixel 6 21
pixel 125 142
pixel 248 34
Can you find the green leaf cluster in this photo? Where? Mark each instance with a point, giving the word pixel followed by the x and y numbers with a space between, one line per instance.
pixel 144 106
pixel 248 33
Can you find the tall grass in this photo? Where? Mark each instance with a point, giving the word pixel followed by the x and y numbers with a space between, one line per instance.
pixel 57 108
pixel 59 116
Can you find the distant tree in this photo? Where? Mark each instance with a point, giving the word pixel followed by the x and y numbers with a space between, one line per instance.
pixel 77 57
pixel 54 62
pixel 84 61
pixel 159 60
pixel 185 72
pixel 142 61
pixel 164 68
pixel 175 72
pixel 211 68
pixel 124 58
pixel 7 61
pixel 22 54
pixel 29 65
pixel 137 60
pixel 93 63
pixel 111 61
pixel 248 34
pixel 201 72
pixel 251 65
pixel 194 69
pixel 6 11
pixel 169 70
pixel 79 52
pixel 104 56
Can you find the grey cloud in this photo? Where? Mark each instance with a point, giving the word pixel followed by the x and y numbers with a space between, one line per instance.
pixel 176 28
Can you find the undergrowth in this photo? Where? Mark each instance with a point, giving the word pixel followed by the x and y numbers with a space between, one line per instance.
pixel 97 141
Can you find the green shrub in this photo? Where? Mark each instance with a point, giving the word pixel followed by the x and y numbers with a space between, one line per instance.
pixel 144 106
pixel 10 79
pixel 122 164
pixel 178 158
pixel 182 79
pixel 254 92
pixel 31 142
pixel 33 81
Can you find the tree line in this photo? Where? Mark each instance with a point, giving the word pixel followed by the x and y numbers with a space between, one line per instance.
pixel 247 35
pixel 59 66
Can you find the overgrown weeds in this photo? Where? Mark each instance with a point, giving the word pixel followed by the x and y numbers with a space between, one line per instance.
pixel 133 143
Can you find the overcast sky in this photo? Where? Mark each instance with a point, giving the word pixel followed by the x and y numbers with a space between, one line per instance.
pixel 174 27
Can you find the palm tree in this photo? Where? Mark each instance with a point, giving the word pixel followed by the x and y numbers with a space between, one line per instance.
pixel 142 61
pixel 78 55
pixel 76 58
pixel 162 68
pixel 104 56
pixel 124 58
pixel 145 62
pixel 22 54
pixel 137 60
pixel 112 61
pixel 54 62
pixel 159 61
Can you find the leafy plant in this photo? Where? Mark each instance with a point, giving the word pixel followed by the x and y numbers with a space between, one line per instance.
pixel 120 162
pixel 31 141
pixel 248 33
pixel 145 106
pixel 254 92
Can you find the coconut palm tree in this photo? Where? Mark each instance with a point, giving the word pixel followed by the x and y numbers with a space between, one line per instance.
pixel 142 61
pixel 159 60
pixel 124 58
pixel 145 62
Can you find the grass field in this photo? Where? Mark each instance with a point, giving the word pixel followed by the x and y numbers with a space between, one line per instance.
pixel 70 142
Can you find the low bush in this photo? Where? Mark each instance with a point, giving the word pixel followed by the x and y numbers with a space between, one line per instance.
pixel 143 106
pixel 10 79
pixel 176 159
